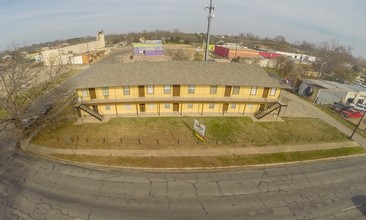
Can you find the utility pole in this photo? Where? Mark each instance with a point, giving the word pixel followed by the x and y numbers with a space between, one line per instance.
pixel 210 15
pixel 354 131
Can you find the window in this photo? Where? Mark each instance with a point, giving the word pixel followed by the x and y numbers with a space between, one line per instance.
pixel 273 92
pixel 150 106
pixel 105 91
pixel 249 106
pixel 190 89
pixel 126 90
pixel 253 91
pixel 167 89
pixel 233 106
pixel 85 92
pixel 236 90
pixel 128 107
pixel 107 107
pixel 213 90
pixel 150 89
pixel 211 105
pixel 167 106
pixel 189 105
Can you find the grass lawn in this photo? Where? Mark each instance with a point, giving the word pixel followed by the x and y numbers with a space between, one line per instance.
pixel 176 133
pixel 222 161
pixel 344 121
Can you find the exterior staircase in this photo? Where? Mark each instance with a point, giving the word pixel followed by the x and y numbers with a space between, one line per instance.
pixel 91 112
pixel 268 110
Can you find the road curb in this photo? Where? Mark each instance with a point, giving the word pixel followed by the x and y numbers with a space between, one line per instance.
pixel 197 169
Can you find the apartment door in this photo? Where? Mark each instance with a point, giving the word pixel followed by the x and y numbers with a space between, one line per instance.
pixel 92 93
pixel 141 91
pixel 262 107
pixel 265 92
pixel 142 108
pixel 227 91
pixel 176 90
pixel 225 107
pixel 175 107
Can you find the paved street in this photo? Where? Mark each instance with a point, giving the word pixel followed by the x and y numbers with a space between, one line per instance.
pixel 33 188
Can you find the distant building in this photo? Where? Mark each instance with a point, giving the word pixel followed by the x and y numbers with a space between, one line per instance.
pixel 234 51
pixel 68 54
pixel 148 48
pixel 328 92
pixel 298 56
pixel 230 51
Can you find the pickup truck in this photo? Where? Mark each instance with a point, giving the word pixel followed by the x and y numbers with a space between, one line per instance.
pixel 358 107
pixel 338 107
pixel 351 113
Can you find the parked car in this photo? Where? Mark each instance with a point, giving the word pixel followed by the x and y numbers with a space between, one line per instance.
pixel 359 107
pixel 338 106
pixel 351 113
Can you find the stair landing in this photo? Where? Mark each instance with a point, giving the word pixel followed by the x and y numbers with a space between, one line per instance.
pixel 267 118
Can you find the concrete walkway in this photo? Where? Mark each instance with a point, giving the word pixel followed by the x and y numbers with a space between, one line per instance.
pixel 187 152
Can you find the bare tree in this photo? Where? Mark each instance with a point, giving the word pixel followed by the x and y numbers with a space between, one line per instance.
pixel 198 56
pixel 331 54
pixel 24 86
pixel 287 67
pixel 178 54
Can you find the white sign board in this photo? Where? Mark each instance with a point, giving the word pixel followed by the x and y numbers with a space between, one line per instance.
pixel 199 128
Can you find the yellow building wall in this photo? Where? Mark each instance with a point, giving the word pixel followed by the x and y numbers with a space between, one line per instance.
pixel 201 91
pixel 151 108
pixel 195 108
pixel 217 107
pixel 163 108
pixel 124 109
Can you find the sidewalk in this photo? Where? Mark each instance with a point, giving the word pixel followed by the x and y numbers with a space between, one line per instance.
pixel 187 152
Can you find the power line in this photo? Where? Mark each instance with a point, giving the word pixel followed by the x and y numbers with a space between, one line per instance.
pixel 210 15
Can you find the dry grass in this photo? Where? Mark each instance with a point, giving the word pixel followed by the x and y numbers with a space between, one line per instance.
pixel 222 161
pixel 176 133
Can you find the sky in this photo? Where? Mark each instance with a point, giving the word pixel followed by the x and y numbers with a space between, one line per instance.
pixel 36 21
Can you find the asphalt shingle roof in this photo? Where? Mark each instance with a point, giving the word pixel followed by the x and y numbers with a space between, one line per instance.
pixel 176 73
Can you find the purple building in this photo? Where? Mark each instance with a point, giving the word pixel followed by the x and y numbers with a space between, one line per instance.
pixel 147 49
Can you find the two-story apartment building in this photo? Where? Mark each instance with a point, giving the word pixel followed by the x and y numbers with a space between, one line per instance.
pixel 175 88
